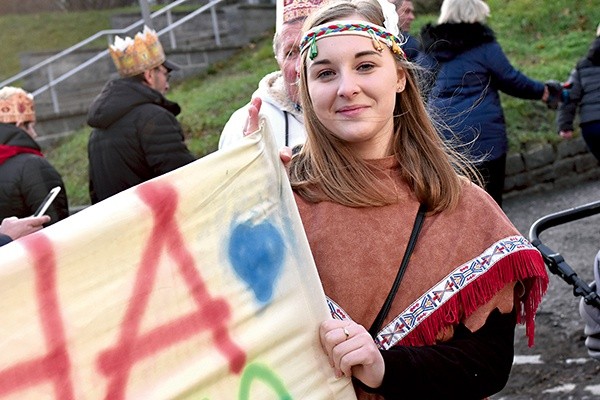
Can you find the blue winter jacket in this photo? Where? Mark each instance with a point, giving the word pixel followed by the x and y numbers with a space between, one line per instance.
pixel 470 69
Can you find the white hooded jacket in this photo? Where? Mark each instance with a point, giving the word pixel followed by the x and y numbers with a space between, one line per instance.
pixel 284 115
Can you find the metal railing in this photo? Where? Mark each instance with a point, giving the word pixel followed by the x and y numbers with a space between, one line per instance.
pixel 109 34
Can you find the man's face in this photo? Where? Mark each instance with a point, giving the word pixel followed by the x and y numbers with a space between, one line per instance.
pixel 288 56
pixel 406 14
pixel 158 79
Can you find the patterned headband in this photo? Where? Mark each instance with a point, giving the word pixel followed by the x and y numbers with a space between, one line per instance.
pixel 377 33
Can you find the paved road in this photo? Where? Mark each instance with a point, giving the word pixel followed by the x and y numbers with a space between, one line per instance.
pixel 558 366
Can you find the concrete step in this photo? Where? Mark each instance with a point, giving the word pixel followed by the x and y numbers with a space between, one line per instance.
pixel 63 108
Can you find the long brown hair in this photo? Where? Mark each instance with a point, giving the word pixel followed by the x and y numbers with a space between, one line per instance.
pixel 326 169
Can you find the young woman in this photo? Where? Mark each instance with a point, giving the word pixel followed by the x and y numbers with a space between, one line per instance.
pixel 372 161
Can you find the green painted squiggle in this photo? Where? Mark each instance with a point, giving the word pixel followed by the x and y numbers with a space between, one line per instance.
pixel 265 374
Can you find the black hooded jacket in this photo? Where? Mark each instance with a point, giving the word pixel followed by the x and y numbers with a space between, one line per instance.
pixel 26 178
pixel 584 94
pixel 136 137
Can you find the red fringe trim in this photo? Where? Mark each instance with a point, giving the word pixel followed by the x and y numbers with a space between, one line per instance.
pixel 526 266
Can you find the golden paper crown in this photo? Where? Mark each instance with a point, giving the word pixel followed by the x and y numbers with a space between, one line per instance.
pixel 134 56
pixel 289 10
pixel 16 105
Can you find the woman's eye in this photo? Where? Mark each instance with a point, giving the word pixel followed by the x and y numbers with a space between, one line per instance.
pixel 365 67
pixel 324 74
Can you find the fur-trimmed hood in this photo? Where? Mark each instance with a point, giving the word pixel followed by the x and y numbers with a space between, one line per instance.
pixel 271 88
pixel 445 41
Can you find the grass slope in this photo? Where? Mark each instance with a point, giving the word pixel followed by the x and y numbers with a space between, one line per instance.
pixel 543 39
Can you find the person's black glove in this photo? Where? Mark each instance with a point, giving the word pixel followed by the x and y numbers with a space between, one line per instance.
pixel 555 89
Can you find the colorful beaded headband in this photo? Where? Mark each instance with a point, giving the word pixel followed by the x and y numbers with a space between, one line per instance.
pixel 377 33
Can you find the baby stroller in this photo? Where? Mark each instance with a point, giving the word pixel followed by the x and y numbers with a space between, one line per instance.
pixel 589 306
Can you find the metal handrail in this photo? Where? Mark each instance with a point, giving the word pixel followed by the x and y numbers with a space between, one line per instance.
pixel 110 32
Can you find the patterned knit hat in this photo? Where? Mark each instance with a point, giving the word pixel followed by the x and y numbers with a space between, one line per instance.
pixel 289 10
pixel 16 105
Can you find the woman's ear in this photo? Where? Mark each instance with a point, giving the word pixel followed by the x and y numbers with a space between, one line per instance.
pixel 401 80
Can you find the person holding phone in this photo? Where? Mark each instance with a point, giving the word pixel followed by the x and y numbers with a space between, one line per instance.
pixel 13 228
pixel 26 177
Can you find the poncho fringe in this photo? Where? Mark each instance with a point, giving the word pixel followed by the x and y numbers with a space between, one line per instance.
pixel 525 266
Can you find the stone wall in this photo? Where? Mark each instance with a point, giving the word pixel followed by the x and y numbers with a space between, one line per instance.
pixel 550 166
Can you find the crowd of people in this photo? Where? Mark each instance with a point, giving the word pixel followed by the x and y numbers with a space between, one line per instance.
pixel 382 131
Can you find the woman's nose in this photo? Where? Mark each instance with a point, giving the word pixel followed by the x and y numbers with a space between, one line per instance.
pixel 348 86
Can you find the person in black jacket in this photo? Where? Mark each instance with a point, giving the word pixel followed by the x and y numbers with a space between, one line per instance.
pixel 584 94
pixel 136 136
pixel 26 176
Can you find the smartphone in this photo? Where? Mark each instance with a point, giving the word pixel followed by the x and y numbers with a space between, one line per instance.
pixel 47 201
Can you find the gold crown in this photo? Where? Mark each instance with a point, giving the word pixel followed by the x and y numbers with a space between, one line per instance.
pixel 289 10
pixel 16 105
pixel 134 56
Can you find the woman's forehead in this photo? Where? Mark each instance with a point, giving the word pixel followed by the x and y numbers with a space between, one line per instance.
pixel 344 46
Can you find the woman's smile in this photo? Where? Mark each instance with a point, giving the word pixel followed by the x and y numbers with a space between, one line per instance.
pixel 352 111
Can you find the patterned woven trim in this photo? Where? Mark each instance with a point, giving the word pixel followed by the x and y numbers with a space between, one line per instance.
pixel 451 285
pixel 375 32
pixel 336 311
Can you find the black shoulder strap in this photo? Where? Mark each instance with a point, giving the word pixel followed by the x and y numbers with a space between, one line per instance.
pixel 385 309
pixel 287 128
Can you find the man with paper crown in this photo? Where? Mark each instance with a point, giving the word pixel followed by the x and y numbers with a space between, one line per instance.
pixel 278 90
pixel 26 176
pixel 136 136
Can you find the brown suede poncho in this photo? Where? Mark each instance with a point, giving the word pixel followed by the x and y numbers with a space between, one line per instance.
pixel 466 263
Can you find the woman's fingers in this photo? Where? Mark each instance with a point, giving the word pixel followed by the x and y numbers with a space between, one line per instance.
pixel 352 352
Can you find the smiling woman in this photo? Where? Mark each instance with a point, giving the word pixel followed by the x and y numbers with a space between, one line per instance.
pixel 352 95
pixel 372 164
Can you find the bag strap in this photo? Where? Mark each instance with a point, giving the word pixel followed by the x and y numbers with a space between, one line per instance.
pixel 287 128
pixel 385 309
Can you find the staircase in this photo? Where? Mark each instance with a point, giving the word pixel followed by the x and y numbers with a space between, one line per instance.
pixel 64 84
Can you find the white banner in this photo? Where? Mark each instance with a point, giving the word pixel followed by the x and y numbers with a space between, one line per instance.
pixel 198 284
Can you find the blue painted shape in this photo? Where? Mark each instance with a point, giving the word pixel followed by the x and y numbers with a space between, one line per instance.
pixel 257 253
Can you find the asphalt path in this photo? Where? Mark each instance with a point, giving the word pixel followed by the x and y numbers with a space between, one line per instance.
pixel 558 366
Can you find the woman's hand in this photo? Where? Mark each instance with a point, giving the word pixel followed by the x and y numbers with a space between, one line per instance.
pixel 352 352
